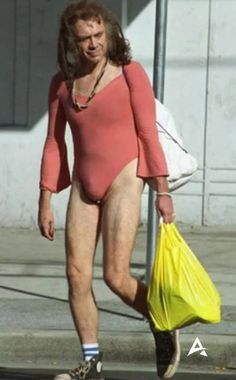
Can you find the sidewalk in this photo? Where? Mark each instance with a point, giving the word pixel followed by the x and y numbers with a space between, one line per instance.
pixel 36 327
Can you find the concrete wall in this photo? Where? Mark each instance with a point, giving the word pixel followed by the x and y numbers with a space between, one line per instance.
pixel 200 91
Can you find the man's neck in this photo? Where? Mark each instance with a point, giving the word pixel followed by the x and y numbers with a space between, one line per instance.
pixel 90 68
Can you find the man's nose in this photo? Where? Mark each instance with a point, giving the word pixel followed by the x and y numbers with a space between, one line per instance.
pixel 92 43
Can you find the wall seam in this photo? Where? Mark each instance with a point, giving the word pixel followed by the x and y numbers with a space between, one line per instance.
pixel 205 188
pixel 15 65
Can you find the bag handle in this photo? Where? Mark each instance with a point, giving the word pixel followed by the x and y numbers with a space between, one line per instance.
pixel 170 135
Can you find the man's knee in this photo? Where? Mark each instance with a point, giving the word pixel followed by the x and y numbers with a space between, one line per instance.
pixel 116 281
pixel 79 279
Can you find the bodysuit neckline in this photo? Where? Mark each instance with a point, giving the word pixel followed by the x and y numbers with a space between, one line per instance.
pixel 104 88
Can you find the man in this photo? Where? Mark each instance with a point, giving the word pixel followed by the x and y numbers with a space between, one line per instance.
pixel 108 102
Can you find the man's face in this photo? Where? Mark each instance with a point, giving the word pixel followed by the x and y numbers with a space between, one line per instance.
pixel 91 39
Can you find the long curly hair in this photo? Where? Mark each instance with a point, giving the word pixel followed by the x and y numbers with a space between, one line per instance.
pixel 68 51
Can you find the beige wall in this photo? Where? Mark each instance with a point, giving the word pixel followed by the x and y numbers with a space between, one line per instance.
pixel 200 91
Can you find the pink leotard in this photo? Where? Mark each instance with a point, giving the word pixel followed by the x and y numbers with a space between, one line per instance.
pixel 117 127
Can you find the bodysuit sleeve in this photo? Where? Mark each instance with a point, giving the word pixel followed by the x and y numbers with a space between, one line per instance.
pixel 151 161
pixel 55 175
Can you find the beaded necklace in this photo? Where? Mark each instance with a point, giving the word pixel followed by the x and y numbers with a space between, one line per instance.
pixel 77 104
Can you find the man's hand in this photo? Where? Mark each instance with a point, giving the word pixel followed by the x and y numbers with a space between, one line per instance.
pixel 164 203
pixel 45 216
pixel 165 208
pixel 46 222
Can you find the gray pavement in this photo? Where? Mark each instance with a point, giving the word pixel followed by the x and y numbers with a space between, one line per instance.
pixel 37 374
pixel 36 329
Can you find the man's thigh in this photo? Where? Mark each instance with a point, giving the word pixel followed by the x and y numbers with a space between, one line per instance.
pixel 82 228
pixel 120 218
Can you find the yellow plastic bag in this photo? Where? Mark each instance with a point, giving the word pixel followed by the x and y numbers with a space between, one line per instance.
pixel 180 291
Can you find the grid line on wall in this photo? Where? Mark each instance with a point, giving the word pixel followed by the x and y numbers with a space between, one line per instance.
pixel 17 84
pixel 206 173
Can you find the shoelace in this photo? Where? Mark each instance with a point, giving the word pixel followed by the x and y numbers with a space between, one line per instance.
pixel 81 371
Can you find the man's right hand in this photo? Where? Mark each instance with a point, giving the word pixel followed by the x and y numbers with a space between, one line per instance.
pixel 45 216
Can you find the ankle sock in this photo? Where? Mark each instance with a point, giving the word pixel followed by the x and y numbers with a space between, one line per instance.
pixel 89 350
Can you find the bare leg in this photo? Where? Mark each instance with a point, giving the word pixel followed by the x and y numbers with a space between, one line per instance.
pixel 82 230
pixel 120 218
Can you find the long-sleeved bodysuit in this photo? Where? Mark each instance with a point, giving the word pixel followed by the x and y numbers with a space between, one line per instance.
pixel 117 127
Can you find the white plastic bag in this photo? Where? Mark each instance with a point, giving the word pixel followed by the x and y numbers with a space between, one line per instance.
pixel 181 164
